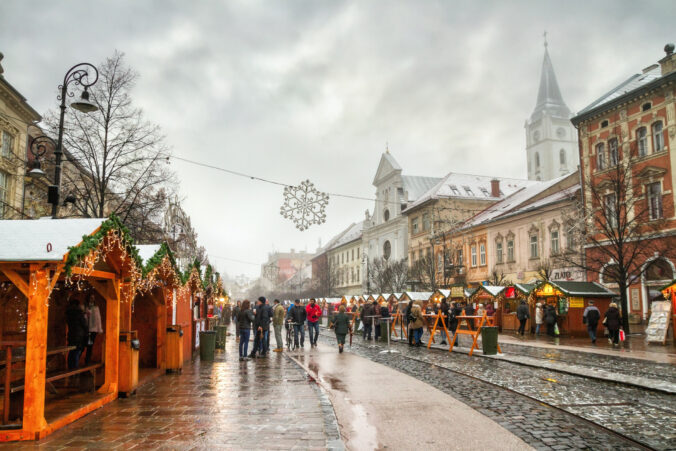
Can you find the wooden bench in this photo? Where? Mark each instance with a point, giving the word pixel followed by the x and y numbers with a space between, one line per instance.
pixel 89 368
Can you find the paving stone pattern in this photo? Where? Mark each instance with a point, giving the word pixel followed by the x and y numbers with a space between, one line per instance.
pixel 624 365
pixel 266 403
pixel 645 416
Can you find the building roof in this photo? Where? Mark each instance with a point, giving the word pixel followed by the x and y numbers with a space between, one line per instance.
pixel 416 186
pixel 147 251
pixel 518 202
pixel 632 83
pixel 468 186
pixel 549 95
pixel 525 288
pixel 352 233
pixel 493 290
pixel 43 239
pixel 582 289
pixel 418 295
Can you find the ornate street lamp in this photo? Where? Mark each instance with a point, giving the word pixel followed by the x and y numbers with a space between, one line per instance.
pixel 78 75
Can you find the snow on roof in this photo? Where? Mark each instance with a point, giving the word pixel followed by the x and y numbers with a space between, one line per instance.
pixel 31 240
pixel 494 290
pixel 634 82
pixel 469 186
pixel 510 204
pixel 418 295
pixel 146 251
pixel 352 233
pixel 397 296
pixel 416 186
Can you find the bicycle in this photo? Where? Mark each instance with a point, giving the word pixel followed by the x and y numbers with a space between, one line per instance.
pixel 290 342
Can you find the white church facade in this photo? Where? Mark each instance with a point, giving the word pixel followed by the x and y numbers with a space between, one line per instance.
pixel 551 139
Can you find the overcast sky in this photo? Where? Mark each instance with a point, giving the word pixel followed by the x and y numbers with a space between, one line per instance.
pixel 294 90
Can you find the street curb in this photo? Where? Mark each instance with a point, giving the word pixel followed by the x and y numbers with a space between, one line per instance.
pixel 334 441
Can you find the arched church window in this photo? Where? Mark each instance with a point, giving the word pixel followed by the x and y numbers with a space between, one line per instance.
pixel 387 250
pixel 386 215
pixel 537 160
pixel 659 269
pixel 562 157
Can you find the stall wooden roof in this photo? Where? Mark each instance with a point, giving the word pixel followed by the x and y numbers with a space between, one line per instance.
pixel 581 289
pixel 43 239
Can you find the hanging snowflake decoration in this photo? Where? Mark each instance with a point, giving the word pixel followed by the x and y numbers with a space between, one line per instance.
pixel 304 205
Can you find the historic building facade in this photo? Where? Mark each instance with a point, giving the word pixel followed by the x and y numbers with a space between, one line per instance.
pixel 16 115
pixel 344 259
pixel 551 139
pixel 628 132
pixel 385 232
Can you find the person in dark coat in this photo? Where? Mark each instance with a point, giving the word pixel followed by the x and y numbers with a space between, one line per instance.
pixel 384 313
pixel 445 308
pixel 235 318
pixel 244 319
pixel 469 311
pixel 613 321
pixel 368 311
pixel 407 318
pixel 299 316
pixel 591 317
pixel 522 314
pixel 550 319
pixel 78 332
pixel 261 318
pixel 453 313
pixel 341 326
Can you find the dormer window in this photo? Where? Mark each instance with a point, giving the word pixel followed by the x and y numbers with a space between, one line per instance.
pixel 455 190
pixel 604 124
pixel 485 191
pixel 468 190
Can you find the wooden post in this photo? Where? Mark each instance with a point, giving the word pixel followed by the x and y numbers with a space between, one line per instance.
pixel 112 351
pixel 36 352
pixel 161 334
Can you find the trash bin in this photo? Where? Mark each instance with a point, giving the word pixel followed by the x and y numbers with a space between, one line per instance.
pixel 174 348
pixel 489 340
pixel 384 326
pixel 221 331
pixel 128 363
pixel 207 344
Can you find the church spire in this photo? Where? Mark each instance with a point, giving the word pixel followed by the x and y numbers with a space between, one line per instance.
pixel 549 95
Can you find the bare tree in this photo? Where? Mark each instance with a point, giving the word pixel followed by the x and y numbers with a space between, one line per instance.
pixel 424 271
pixel 497 278
pixel 386 276
pixel 620 224
pixel 399 275
pixel 122 156
pixel 326 278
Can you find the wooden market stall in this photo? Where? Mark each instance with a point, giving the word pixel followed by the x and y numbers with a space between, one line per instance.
pixel 47 268
pixel 484 295
pixel 508 300
pixel 661 327
pixel 570 299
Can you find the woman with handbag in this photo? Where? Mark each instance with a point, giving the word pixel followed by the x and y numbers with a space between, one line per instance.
pixel 613 320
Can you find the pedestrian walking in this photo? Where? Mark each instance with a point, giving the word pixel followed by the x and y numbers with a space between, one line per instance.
pixel 313 313
pixel 591 317
pixel 278 312
pixel 77 332
pixel 445 309
pixel 454 312
pixel 613 320
pixel 266 326
pixel 376 320
pixel 469 311
pixel 409 318
pixel 550 320
pixel 298 316
pixel 341 326
pixel 366 313
pixel 539 317
pixel 261 319
pixel 235 318
pixel 244 319
pixel 416 325
pixel 385 313
pixel 522 314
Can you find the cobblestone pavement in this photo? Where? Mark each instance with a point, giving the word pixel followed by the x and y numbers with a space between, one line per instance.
pixel 226 404
pixel 644 416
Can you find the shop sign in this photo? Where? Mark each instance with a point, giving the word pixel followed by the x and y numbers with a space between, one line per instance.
pixel 635 300
pixel 576 302
pixel 568 274
pixel 457 292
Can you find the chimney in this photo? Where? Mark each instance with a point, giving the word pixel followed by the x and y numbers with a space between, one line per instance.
pixel 495 188
pixel 668 63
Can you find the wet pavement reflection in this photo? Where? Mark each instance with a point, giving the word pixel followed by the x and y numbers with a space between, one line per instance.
pixel 264 403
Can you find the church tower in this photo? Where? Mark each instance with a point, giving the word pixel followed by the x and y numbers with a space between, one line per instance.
pixel 551 139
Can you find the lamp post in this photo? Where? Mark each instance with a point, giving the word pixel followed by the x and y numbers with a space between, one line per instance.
pixel 365 260
pixel 79 75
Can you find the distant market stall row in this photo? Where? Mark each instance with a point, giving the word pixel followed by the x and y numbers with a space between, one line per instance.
pixel 148 311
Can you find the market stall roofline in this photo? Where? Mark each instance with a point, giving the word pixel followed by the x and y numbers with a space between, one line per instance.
pixel 43 240
pixel 580 289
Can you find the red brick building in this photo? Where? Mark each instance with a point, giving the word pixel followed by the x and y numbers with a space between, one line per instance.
pixel 626 136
